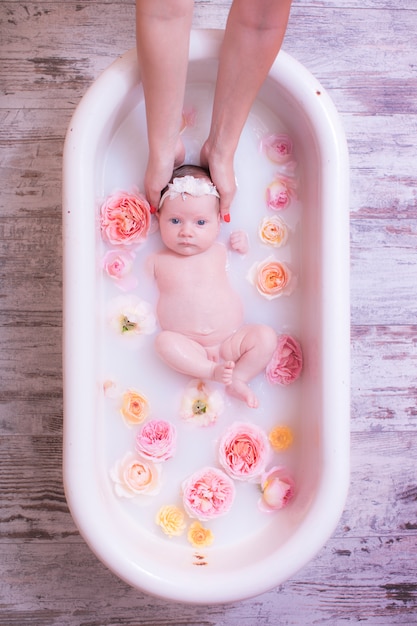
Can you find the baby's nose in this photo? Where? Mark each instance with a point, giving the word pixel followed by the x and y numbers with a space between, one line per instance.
pixel 186 229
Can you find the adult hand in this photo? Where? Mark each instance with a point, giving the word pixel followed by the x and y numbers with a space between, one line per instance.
pixel 223 176
pixel 158 174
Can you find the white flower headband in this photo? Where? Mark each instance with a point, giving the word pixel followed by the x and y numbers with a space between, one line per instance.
pixel 189 184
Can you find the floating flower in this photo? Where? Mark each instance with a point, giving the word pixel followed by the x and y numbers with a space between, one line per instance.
pixel 156 440
pixel 188 118
pixel 279 194
pixel 118 264
pixel 280 438
pixel 201 404
pixel 198 536
pixel 125 218
pixel 131 317
pixel 271 278
pixel 244 451
pixel 171 519
pixel 278 148
pixel 134 407
pixel 273 231
pixel 277 490
pixel 111 389
pixel 133 477
pixel 286 362
pixel 208 493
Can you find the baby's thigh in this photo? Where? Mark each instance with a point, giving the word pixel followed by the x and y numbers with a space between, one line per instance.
pixel 251 337
pixel 236 345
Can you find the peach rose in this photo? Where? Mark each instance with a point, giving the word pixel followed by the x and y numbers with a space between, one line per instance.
pixel 208 493
pixel 199 537
pixel 277 490
pixel 273 231
pixel 156 440
pixel 134 407
pixel 278 148
pixel 286 363
pixel 125 218
pixel 271 278
pixel 118 264
pixel 279 194
pixel 171 519
pixel 244 451
pixel 133 477
pixel 281 438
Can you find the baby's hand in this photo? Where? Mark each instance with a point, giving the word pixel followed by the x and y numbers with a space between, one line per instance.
pixel 239 241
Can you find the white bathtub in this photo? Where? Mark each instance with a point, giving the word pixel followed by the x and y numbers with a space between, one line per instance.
pixel 277 550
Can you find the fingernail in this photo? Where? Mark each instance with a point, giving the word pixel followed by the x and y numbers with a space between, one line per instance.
pixel 226 217
pixel 153 209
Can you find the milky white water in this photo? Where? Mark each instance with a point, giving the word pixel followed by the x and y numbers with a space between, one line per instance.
pixel 140 369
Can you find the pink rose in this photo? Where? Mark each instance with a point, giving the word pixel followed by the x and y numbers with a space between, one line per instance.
pixel 118 264
pixel 208 493
pixel 279 194
pixel 156 440
pixel 278 148
pixel 133 477
pixel 286 363
pixel 244 451
pixel 125 218
pixel 277 490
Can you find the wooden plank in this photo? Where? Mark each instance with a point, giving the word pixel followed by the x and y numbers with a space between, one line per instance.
pixel 363 52
pixel 89 593
pixel 392 266
pixel 328 39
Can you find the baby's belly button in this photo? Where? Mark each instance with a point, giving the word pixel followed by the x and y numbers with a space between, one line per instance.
pixel 206 331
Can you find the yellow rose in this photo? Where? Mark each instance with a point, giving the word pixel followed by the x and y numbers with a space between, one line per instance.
pixel 134 407
pixel 281 437
pixel 199 537
pixel 171 519
pixel 273 231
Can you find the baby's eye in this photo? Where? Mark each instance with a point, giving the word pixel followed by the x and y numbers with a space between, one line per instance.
pixel 174 220
pixel 201 222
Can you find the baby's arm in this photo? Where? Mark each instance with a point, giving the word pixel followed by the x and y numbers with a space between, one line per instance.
pixel 239 241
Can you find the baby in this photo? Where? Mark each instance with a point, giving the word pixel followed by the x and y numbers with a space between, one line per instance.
pixel 200 314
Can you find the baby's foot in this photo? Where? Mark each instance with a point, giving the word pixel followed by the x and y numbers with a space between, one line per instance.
pixel 223 372
pixel 242 391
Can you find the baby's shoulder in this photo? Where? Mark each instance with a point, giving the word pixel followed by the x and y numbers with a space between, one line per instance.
pixel 159 262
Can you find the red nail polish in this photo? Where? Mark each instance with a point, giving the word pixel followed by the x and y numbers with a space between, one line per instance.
pixel 226 217
pixel 153 209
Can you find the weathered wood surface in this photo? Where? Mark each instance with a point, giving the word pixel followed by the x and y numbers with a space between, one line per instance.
pixel 364 53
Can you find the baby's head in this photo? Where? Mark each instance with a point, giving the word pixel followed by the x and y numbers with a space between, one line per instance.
pixel 189 179
pixel 188 215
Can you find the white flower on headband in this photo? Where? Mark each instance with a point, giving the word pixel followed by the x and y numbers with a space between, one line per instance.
pixel 196 187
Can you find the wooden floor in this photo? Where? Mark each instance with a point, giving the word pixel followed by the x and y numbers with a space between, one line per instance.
pixel 365 53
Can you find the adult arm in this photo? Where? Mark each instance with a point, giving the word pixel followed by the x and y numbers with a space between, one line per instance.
pixel 162 41
pixel 254 33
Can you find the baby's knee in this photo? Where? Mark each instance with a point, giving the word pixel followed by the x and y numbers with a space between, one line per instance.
pixel 163 342
pixel 267 337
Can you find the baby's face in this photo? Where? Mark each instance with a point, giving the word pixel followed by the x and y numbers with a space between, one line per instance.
pixel 189 226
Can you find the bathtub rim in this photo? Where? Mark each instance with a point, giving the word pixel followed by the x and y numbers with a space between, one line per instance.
pixel 124 72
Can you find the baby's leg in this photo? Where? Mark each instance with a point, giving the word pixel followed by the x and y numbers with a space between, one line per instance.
pixel 188 357
pixel 251 347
